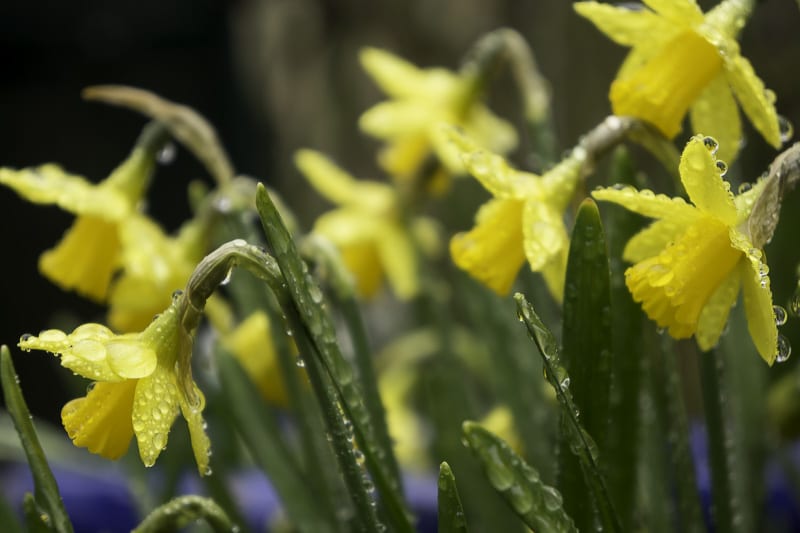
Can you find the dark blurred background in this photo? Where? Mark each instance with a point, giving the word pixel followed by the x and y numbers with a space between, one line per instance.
pixel 274 76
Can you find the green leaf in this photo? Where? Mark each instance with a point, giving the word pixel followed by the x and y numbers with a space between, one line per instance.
pixel 622 445
pixel 307 299
pixel 587 353
pixel 451 514
pixel 580 442
pixel 46 504
pixel 184 510
pixel 263 438
pixel 538 505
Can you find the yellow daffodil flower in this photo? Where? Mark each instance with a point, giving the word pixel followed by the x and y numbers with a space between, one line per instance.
pixel 140 387
pixel 367 228
pixel 153 265
pixel 691 262
pixel 251 344
pixel 420 100
pixel 683 60
pixel 524 220
pixel 89 253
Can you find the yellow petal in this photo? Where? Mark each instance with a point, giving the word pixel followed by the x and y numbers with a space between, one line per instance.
pixel 489 130
pixel 85 259
pixel 50 184
pixel 251 344
pixel 399 78
pixel 134 301
pixel 675 285
pixel 398 259
pixel 647 203
pixel 554 273
pixel 627 27
pixel 101 421
pixel 155 406
pixel 715 113
pixel 558 184
pixel 702 181
pixel 83 351
pixel 492 252
pixel 492 170
pixel 544 234
pixel 130 358
pixel 661 91
pixel 758 310
pixel 752 96
pixel 395 118
pixel 654 238
pixel 714 315
pixel 201 445
pixel 402 157
pixel 680 12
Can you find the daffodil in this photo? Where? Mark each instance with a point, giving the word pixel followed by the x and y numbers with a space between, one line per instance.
pixel 141 384
pixel 420 100
pixel 367 227
pixel 682 60
pixel 152 266
pixel 251 343
pixel 525 219
pixel 89 253
pixel 692 261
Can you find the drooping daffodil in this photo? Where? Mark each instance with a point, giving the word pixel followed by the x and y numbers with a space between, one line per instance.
pixel 682 60
pixel 691 262
pixel 525 219
pixel 420 100
pixel 368 227
pixel 152 266
pixel 142 381
pixel 89 253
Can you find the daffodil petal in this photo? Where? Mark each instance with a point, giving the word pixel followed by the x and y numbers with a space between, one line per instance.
pixel 84 354
pixel 559 183
pixel 101 421
pixel 554 274
pixel 654 238
pixel 623 26
pixel 752 96
pixel 492 170
pixel 758 310
pixel 86 257
pixel 395 76
pixel 130 357
pixel 646 202
pixel 492 252
pixel 714 315
pixel 398 259
pixel 684 13
pixel 402 157
pixel 489 130
pixel 155 406
pixel 201 445
pixel 389 119
pixel 50 184
pixel 643 51
pixel 327 178
pixel 544 234
pixel 701 178
pixel 715 113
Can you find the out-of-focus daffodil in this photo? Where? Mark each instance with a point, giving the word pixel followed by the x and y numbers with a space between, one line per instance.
pixel 421 99
pixel 367 228
pixel 153 265
pixel 89 253
pixel 251 344
pixel 691 262
pixel 683 60
pixel 141 384
pixel 524 219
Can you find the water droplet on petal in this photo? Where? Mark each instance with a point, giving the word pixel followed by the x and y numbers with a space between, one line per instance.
pixel 25 337
pixel 52 335
pixel 177 294
pixel 784 349
pixel 744 187
pixel 780 315
pixel 786 128
pixel 711 144
pixel 166 155
pixel 722 167
pixel 301 362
